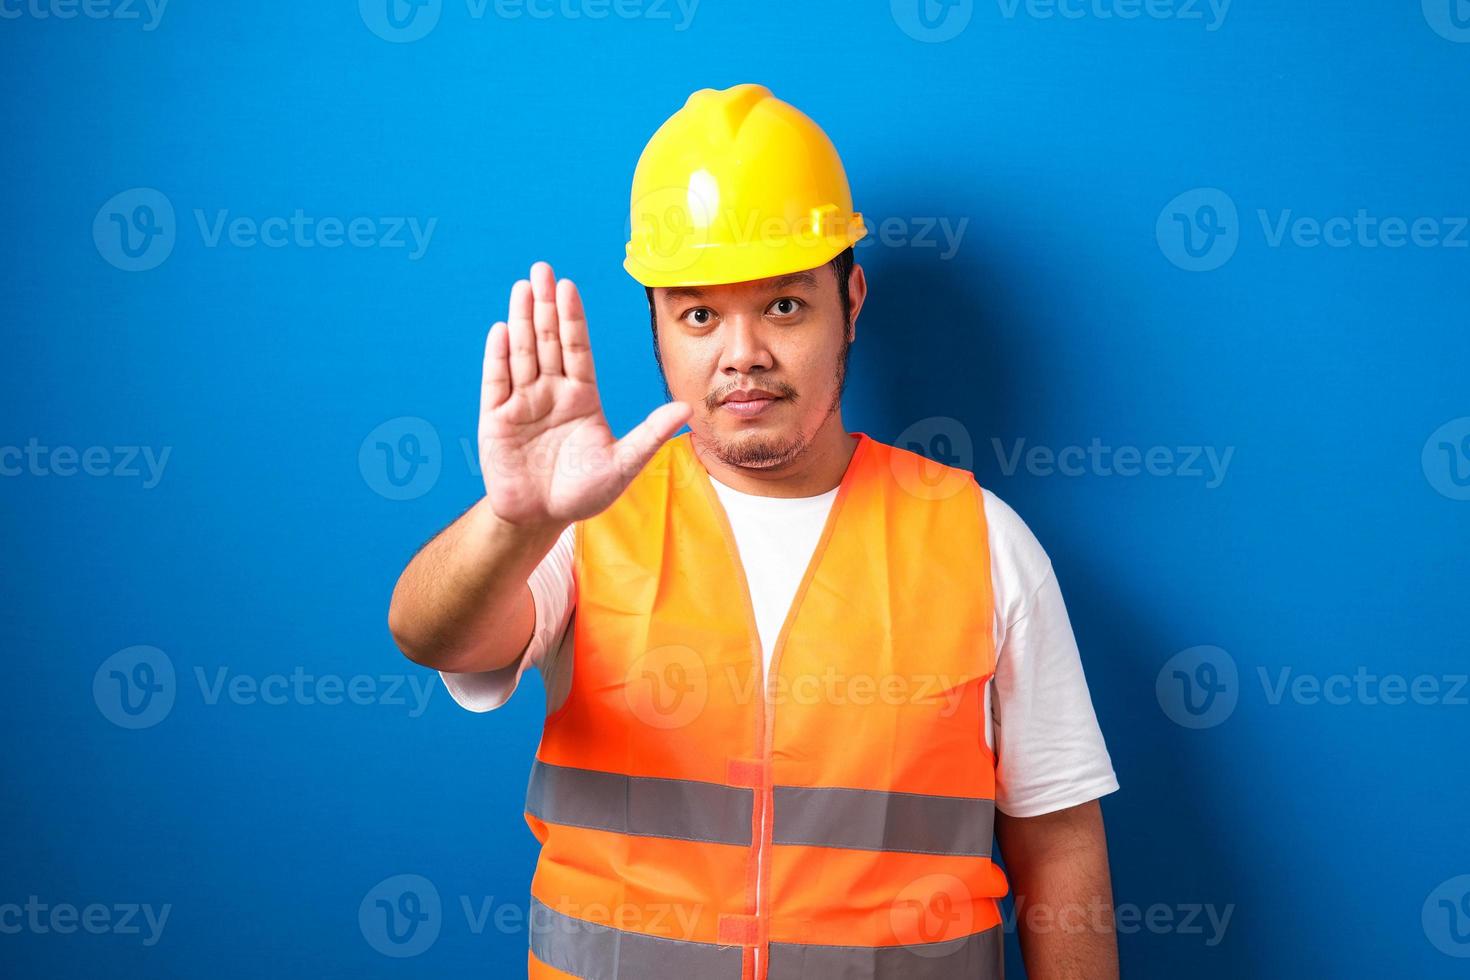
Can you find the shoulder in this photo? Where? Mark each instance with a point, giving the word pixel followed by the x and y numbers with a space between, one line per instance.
pixel 1019 565
pixel 908 467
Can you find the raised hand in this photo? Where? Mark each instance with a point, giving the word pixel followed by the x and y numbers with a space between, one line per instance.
pixel 546 452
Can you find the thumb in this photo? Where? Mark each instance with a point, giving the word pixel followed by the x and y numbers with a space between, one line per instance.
pixel 636 448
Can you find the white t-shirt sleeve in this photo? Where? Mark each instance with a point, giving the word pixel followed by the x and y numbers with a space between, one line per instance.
pixel 552 588
pixel 1050 753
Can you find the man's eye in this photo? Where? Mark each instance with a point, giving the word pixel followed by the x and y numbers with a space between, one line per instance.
pixel 785 306
pixel 700 316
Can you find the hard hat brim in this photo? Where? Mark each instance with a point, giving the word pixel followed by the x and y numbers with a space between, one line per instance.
pixel 724 263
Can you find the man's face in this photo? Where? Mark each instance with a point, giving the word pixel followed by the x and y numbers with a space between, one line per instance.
pixel 782 339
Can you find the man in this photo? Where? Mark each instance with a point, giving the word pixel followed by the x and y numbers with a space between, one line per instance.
pixel 804 668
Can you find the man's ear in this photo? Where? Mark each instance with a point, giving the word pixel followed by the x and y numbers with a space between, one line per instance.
pixel 857 291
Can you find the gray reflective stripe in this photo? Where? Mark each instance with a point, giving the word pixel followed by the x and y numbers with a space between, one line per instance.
pixel 975 957
pixel 877 821
pixel 683 809
pixel 596 952
pixel 687 809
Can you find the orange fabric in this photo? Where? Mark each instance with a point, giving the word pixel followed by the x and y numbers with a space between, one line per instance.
pixel 738 930
pixel 744 772
pixel 536 970
pixel 876 683
pixel 590 875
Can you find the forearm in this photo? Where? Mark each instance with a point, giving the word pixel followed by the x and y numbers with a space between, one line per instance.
pixel 1058 870
pixel 463 604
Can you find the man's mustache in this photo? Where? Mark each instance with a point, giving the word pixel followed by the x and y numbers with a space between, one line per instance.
pixel 778 388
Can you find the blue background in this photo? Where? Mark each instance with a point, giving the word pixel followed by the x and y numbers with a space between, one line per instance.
pixel 272 541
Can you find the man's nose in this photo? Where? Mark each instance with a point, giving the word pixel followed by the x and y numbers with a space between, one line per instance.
pixel 745 348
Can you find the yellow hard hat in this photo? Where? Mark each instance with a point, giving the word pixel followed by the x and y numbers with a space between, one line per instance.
pixel 737 185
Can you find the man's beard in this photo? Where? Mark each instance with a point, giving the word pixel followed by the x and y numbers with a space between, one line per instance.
pixel 758 452
pixel 769 452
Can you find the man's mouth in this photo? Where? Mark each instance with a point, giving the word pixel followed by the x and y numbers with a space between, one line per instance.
pixel 749 402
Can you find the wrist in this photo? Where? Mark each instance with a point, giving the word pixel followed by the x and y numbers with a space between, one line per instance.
pixel 534 537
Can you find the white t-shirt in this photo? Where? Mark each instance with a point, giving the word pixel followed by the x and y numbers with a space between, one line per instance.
pixel 1039 718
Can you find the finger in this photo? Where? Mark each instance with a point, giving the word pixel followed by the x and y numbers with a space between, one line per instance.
pixel 634 450
pixel 522 335
pixel 548 340
pixel 576 351
pixel 495 382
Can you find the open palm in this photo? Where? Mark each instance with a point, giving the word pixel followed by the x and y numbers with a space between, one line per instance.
pixel 546 452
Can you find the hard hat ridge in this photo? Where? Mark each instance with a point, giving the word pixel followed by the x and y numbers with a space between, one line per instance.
pixel 737 185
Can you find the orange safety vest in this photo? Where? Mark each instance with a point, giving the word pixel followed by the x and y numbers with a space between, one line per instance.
pixel 835 821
